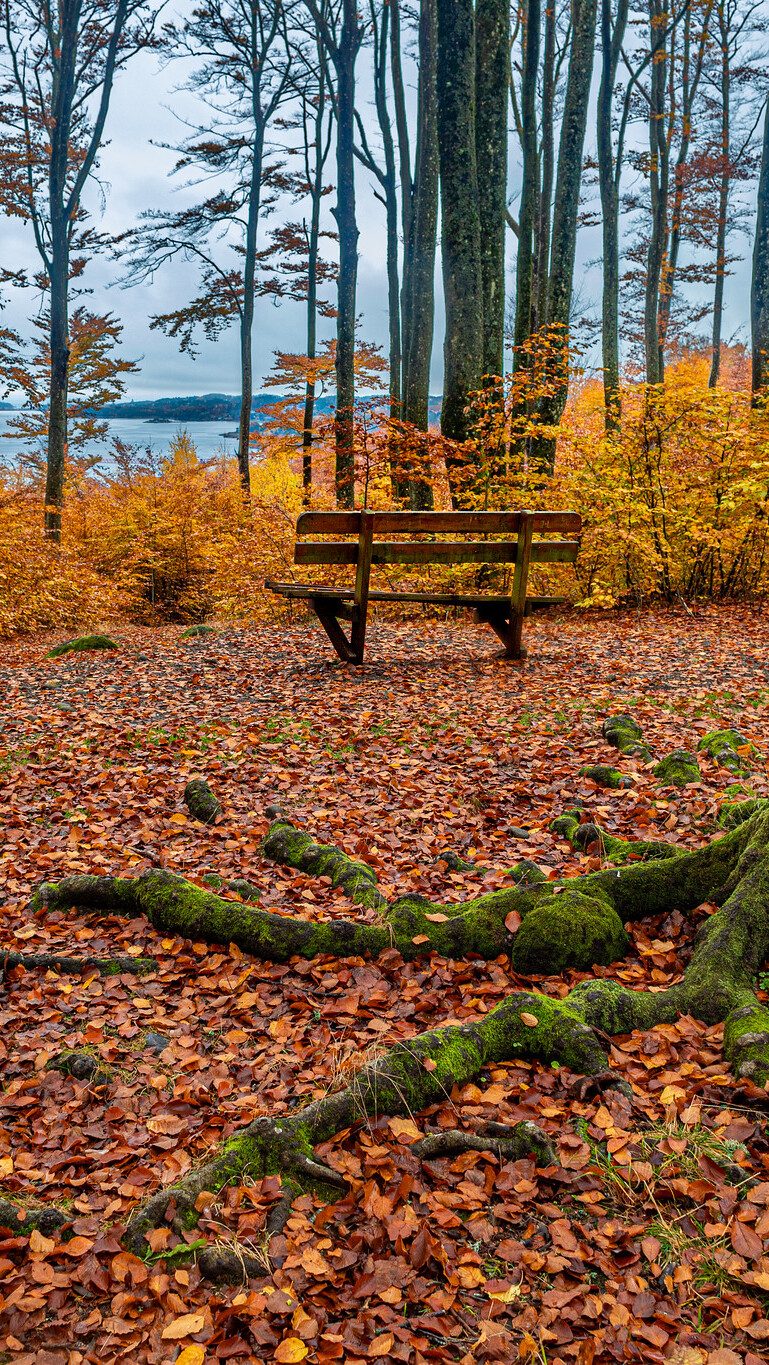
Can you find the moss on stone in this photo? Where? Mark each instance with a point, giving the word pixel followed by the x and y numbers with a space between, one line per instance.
pixel 571 930
pixel 194 632
pixel 625 734
pixel 82 643
pixel 526 873
pixel 678 769
pixel 606 776
pixel 722 746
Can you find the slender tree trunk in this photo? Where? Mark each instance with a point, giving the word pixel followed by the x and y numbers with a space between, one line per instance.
pixel 524 305
pixel 391 206
pixel 247 316
pixel 565 212
pixel 312 286
pixel 658 184
pixel 690 79
pixel 348 256
pixel 492 26
pixel 545 197
pixel 62 94
pixel 418 300
pixel 759 292
pixel 723 201
pixel 460 219
pixel 609 181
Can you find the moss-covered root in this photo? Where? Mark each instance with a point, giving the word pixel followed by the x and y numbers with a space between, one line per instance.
pixel 21 1221
pixel 507 1143
pixel 406 1080
pixel 605 776
pixel 729 749
pixel 75 966
pixel 291 847
pixel 583 834
pixel 201 802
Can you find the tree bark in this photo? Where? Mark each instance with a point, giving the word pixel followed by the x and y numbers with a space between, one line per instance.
pixel 759 290
pixel 460 218
pixel 659 152
pixel 723 198
pixel 612 38
pixel 565 213
pixel 492 27
pixel 526 216
pixel 247 315
pixel 344 432
pixel 418 302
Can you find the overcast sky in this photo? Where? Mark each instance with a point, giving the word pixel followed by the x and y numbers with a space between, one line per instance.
pixel 135 174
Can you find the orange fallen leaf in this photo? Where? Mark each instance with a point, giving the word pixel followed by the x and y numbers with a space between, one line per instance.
pixel 530 1020
pixel 381 1345
pixel 183 1326
pixel 291 1350
pixel 191 1355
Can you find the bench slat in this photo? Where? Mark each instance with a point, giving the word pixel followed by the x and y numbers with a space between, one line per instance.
pixel 435 552
pixel 440 599
pixel 435 523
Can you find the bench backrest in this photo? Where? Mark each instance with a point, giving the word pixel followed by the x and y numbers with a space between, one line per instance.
pixel 366 525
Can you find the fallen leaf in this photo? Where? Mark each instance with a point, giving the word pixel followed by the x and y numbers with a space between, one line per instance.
pixel 530 1020
pixel 184 1326
pixel 290 1350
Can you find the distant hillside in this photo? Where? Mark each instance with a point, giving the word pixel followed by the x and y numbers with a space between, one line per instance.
pixel 206 407
pixel 213 407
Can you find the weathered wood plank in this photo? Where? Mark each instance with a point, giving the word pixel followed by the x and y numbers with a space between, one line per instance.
pixel 435 552
pixel 305 591
pixel 436 523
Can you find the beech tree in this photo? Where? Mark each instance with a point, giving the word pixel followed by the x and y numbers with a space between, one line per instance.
pixel 759 293
pixel 242 56
pixel 57 69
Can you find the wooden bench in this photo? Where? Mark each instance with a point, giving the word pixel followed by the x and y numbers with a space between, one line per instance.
pixel 503 613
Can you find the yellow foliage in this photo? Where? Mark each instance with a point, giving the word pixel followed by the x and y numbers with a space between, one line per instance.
pixel 674 504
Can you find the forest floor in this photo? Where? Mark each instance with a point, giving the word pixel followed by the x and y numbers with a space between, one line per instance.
pixel 649 1241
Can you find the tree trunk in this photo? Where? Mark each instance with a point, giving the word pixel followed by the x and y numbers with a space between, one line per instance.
pixel 609 182
pixel 460 219
pixel 565 213
pixel 545 195
pixel 313 241
pixel 563 924
pixel 492 26
pixel 723 200
pixel 62 94
pixel 658 184
pixel 347 226
pixel 524 305
pixel 759 290
pixel 247 316
pixel 418 303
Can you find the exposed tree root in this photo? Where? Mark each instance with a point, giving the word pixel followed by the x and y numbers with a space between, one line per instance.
pixel 20 1220
pixel 729 950
pixel 508 1143
pixel 58 962
pixel 201 802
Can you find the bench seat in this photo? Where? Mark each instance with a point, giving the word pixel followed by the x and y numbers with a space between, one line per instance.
pixel 439 599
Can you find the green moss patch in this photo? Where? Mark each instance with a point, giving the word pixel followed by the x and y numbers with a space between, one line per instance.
pixel 194 632
pixel 678 769
pixel 83 644
pixel 605 776
pixel 569 930
pixel 723 745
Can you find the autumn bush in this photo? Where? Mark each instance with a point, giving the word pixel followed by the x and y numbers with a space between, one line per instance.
pixel 43 586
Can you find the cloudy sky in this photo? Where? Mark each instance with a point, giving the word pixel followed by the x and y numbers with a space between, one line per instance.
pixel 135 175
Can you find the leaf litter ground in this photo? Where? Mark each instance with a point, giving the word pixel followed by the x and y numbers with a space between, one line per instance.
pixel 649 1242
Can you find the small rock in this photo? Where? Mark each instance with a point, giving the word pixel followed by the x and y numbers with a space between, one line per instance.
pixel 678 769
pixel 155 1042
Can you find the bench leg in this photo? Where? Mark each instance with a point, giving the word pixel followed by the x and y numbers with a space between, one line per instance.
pixel 503 628
pixel 325 610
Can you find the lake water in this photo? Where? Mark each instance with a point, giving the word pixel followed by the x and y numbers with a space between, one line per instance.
pixel 209 437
